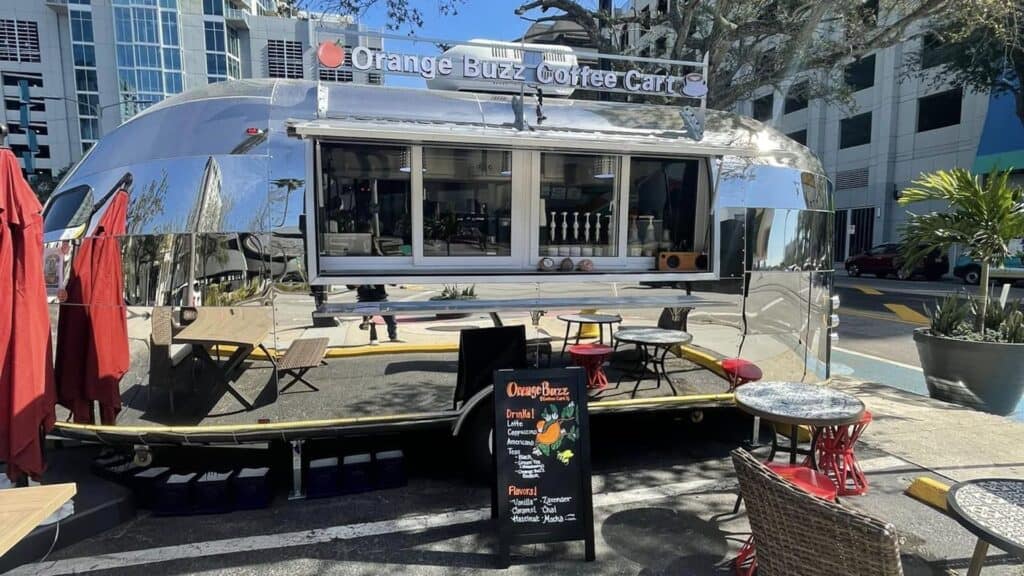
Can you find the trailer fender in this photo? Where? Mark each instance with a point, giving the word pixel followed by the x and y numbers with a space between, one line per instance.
pixel 467 409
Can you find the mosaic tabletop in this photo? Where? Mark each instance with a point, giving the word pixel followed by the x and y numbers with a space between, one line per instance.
pixel 797 403
pixel 591 318
pixel 654 336
pixel 993 509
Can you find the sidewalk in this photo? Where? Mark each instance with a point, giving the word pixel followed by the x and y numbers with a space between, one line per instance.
pixel 955 442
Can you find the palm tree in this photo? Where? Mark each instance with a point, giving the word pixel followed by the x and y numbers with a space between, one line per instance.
pixel 983 217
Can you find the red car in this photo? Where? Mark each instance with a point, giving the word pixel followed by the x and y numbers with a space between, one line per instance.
pixel 884 260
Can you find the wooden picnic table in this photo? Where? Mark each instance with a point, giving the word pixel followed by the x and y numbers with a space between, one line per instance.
pixel 245 328
pixel 22 509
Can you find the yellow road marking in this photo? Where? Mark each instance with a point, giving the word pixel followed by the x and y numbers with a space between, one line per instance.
pixel 868 290
pixel 906 314
pixel 874 316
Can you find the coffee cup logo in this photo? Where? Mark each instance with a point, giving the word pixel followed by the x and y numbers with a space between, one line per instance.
pixel 330 54
pixel 694 86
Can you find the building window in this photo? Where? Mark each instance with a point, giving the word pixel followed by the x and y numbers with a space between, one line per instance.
pixel 145 25
pixel 366 208
pixel 660 46
pixel 855 131
pixel 799 136
pixel 169 28
pixel 19 41
pixel 214 32
pixel 934 51
pixel 84 54
pixel 467 202
pixel 796 99
pixel 16 78
pixel 763 107
pixel 331 75
pixel 284 59
pixel 578 193
pixel 870 11
pixel 213 7
pixel 939 110
pixel 860 74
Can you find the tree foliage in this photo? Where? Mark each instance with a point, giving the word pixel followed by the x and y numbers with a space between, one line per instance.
pixel 401 14
pixel 984 49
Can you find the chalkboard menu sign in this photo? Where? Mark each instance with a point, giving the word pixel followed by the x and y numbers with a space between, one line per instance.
pixel 542 458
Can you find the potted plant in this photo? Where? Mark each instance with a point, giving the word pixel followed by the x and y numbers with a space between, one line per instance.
pixel 454 293
pixel 973 351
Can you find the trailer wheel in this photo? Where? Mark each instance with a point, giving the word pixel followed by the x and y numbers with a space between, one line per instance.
pixel 477 442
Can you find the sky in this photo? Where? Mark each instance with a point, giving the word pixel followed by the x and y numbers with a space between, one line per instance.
pixel 483 19
pixel 492 19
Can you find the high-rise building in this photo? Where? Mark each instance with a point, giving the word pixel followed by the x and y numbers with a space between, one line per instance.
pixel 71 70
pixel 901 123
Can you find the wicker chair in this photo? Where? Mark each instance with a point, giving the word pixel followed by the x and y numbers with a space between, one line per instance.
pixel 164 355
pixel 799 535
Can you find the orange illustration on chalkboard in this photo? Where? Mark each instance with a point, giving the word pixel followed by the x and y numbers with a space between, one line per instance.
pixel 557 430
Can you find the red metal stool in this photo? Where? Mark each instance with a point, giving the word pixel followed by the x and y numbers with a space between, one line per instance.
pixel 591 357
pixel 834 451
pixel 807 479
pixel 740 371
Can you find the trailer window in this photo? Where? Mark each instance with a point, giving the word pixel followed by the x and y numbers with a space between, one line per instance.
pixel 68 209
pixel 663 206
pixel 578 196
pixel 365 208
pixel 467 202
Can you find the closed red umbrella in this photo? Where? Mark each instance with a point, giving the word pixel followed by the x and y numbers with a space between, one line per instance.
pixel 26 369
pixel 92 331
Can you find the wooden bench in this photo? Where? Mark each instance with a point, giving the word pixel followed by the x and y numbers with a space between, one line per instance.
pixel 302 355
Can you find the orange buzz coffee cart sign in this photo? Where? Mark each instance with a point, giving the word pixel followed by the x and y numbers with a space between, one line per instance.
pixel 542 458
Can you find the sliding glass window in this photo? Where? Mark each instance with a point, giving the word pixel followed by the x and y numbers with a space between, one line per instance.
pixel 467 202
pixel 578 199
pixel 365 208
pixel 663 196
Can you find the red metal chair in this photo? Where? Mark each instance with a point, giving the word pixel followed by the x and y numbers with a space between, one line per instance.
pixel 834 451
pixel 740 371
pixel 807 479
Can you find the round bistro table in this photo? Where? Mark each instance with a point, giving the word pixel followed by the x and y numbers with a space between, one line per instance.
pixel 646 340
pixel 993 510
pixel 581 319
pixel 798 404
pixel 591 357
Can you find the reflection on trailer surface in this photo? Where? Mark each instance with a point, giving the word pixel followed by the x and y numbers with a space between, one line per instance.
pixel 248 213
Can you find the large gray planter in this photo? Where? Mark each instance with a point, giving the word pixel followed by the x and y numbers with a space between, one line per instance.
pixel 987 376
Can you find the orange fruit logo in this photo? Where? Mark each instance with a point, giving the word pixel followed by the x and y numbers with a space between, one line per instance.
pixel 550 434
pixel 330 54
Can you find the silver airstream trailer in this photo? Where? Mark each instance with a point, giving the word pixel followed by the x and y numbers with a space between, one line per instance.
pixel 255 206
